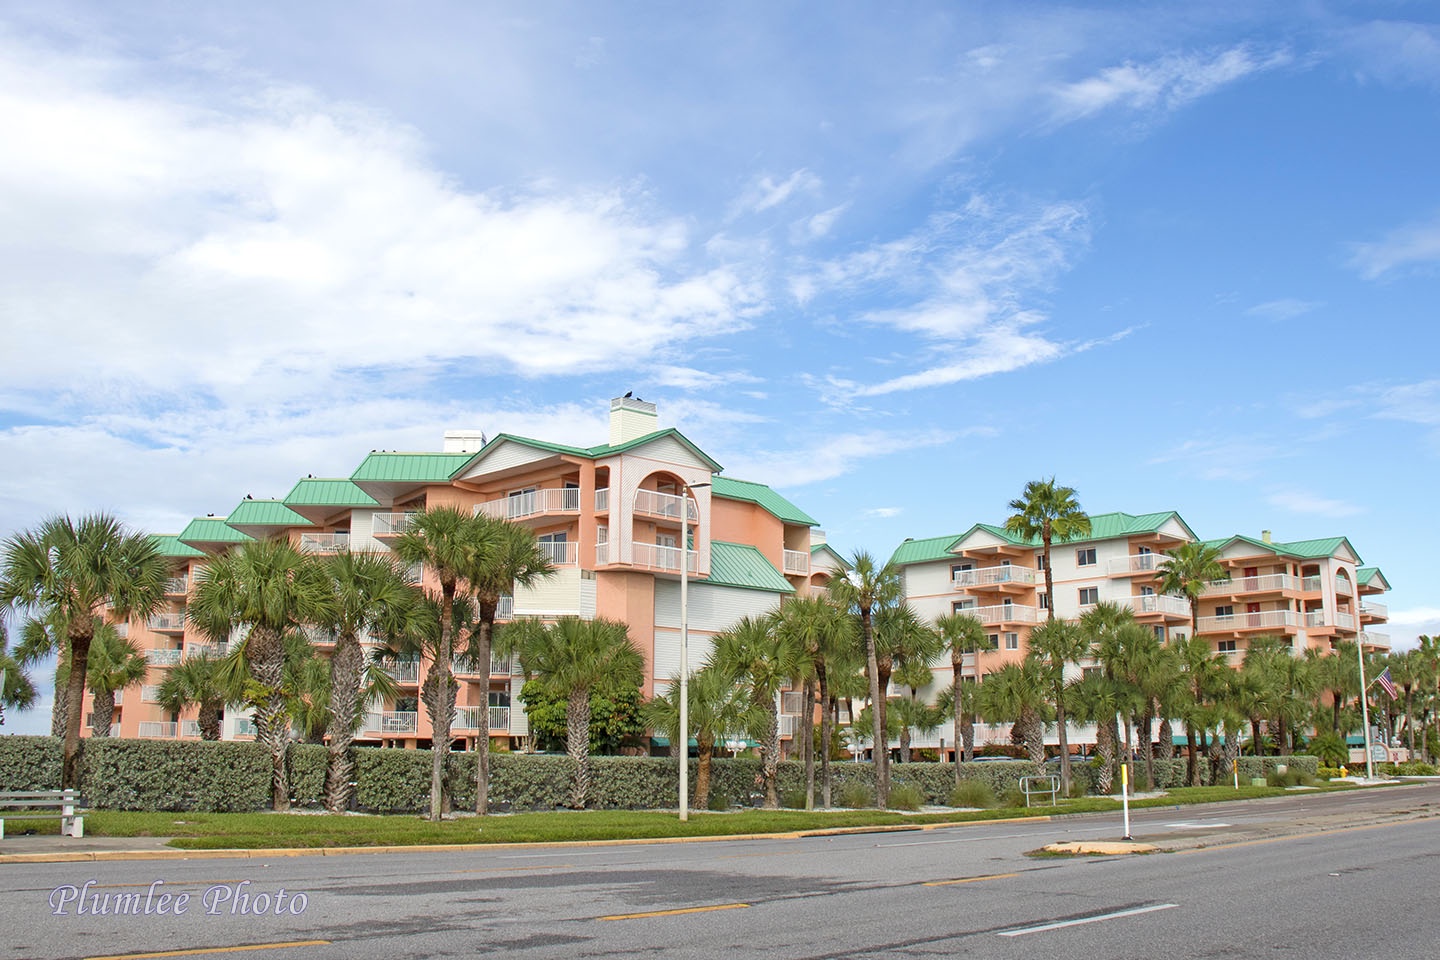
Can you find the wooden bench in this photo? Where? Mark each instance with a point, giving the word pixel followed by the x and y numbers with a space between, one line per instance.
pixel 42 805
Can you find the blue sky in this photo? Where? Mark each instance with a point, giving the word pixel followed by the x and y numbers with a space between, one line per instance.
pixel 895 260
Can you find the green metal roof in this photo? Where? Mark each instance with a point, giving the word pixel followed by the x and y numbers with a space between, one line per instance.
pixel 595 453
pixel 758 493
pixel 169 545
pixel 741 565
pixel 315 492
pixel 211 530
pixel 1366 574
pixel 921 551
pixel 265 513
pixel 385 466
pixel 1299 549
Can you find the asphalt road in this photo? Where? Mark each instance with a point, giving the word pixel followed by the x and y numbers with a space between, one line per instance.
pixel 1341 875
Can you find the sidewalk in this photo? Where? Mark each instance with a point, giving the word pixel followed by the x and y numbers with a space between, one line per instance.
pixel 53 848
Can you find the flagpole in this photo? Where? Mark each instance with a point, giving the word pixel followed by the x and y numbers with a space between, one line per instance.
pixel 1365 709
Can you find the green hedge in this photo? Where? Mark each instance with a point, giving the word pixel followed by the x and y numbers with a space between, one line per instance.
pixel 124 774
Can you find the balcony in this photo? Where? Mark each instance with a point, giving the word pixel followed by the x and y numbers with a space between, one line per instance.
pixel 166 623
pixel 215 651
pixel 1006 613
pixel 562 554
pixel 1374 612
pixel 1242 622
pixel 405 672
pixel 1140 564
pixel 1267 583
pixel 499 667
pixel 653 556
pixel 387 526
pixel 797 562
pixel 324 542
pixel 150 693
pixel 468 718
pixel 1375 640
pixel 992 577
pixel 393 721
pixel 177 586
pixel 163 657
pixel 1158 603
pixel 245 727
pixel 190 728
pixel 602 500
pixel 532 503
pixel 1345 621
pixel 505 609
pixel 668 506
pixel 154 730
pixel 122 630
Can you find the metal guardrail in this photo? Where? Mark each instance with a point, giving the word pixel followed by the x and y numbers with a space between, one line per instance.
pixel 1040 786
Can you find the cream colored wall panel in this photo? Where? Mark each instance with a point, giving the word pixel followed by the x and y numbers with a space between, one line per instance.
pixel 711 608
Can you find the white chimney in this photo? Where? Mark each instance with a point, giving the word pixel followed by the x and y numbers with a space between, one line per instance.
pixel 464 441
pixel 630 419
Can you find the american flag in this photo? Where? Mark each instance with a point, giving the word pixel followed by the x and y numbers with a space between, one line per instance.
pixel 1389 685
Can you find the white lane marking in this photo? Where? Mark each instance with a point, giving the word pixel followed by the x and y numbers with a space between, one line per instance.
pixel 538 856
pixel 1024 931
pixel 999 836
pixel 1193 825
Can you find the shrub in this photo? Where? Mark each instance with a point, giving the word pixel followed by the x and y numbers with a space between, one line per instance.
pixel 175 775
pixel 972 793
pixel 1327 773
pixel 904 796
pixel 1290 778
pixel 856 795
pixel 306 771
pixel 793 799
pixel 1014 797
pixel 719 802
pixel 31 763
pixel 1415 768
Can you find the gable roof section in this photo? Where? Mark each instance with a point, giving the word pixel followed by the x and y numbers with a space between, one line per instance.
pixel 316 492
pixel 169 545
pixel 261 518
pixel 589 453
pixel 385 475
pixel 922 551
pixel 1371 576
pixel 741 565
pixel 1299 549
pixel 757 493
pixel 211 531
pixel 1106 526
pixel 817 549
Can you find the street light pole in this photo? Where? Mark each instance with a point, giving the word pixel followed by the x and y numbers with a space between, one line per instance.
pixel 685 646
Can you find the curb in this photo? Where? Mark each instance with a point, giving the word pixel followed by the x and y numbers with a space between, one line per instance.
pixel 264 853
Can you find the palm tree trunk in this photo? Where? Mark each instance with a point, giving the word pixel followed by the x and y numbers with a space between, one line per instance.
pixel 967 736
pixel 881 755
pixel 102 703
pixel 209 720
pixel 807 746
pixel 1063 737
pixel 439 695
pixel 1032 730
pixel 58 714
pixel 577 744
pixel 1166 737
pixel 80 637
pixel 886 667
pixel 346 666
pixel 826 732
pixel 905 743
pixel 267 666
pixel 705 747
pixel 1049 578
pixel 482 739
pixel 1146 745
pixel 957 665
pixel 1192 759
pixel 770 756
pixel 1256 743
pixel 1105 747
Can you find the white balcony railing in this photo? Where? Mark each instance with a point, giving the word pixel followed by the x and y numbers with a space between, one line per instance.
pixel 1345 621
pixel 532 503
pixel 1140 563
pixel 215 651
pixel 177 586
pixel 1007 613
pixel 397 721
pixel 1343 588
pixel 602 500
pixel 989 576
pixel 1375 639
pixel 403 672
pixel 119 697
pixel 468 718
pixel 602 554
pixel 190 728
pixel 390 524
pixel 797 562
pixel 150 693
pixel 1158 603
pixel 669 505
pixel 1314 618
pixel 563 554
pixel 505 609
pixel 166 623
pixel 324 542
pixel 1266 583
pixel 122 630
pixel 163 657
pixel 1376 611
pixel 155 730
pixel 786 725
pixel 653 556
pixel 1260 620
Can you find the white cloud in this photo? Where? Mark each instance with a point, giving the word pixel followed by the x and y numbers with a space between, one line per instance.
pixel 1413 245
pixel 1303 501
pixel 1286 308
pixel 1396 51
pixel 817 226
pixel 884 512
pixel 766 192
pixel 1165 84
pixel 1415 616
pixel 688 378
pixel 831 456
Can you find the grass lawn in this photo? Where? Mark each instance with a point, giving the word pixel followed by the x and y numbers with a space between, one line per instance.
pixel 271 830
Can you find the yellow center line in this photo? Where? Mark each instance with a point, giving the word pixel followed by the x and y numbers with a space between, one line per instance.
pixel 947 883
pixel 199 951
pixel 676 913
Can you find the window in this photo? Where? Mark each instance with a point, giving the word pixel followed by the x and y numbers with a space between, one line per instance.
pixel 1012 641
pixel 1039 561
pixel 1044 601
pixel 958 570
pixel 499 698
pixel 994 639
pixel 1089 596
pixel 1159 632
pixel 962 606
pixel 1085 557
pixel 1226 646
pixel 1225 611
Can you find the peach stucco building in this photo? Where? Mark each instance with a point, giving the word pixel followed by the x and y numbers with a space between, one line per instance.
pixel 611 517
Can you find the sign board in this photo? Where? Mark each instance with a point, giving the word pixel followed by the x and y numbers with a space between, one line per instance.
pixel 1378 753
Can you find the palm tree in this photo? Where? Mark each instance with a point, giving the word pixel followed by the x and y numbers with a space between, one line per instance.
pixel 1202 670
pixel 195 681
pixel 821 630
pixel 116 662
pixel 762 660
pixel 449 543
pixel 1097 698
pixel 716 708
pixel 1017 693
pixel 1186 570
pixel 1047 512
pixel 1406 670
pixel 572 657
pixel 962 633
pixel 914 714
pixel 1055 645
pixel 869 587
pixel 903 639
pixel 41 638
pixel 16 690
pixel 372 594
pixel 72 570
pixel 270 588
pixel 509 557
